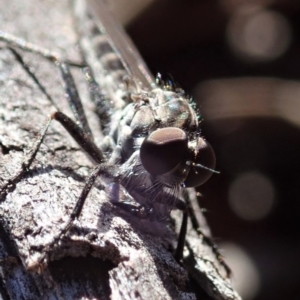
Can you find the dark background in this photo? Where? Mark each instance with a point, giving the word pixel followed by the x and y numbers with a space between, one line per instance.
pixel 241 62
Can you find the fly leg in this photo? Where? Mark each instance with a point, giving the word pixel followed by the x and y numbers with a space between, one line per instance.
pixel 81 132
pixel 102 169
pixel 63 65
pixel 188 211
pixel 25 164
pixel 82 138
pixel 103 107
pixel 19 43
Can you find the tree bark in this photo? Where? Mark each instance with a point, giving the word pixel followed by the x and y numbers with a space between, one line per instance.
pixel 106 254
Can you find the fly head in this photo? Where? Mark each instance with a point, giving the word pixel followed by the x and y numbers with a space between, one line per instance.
pixel 168 153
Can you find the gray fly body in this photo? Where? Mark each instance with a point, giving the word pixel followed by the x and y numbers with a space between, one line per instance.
pixel 152 122
pixel 151 148
pixel 151 151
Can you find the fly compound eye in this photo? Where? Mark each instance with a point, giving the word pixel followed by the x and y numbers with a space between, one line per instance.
pixel 163 150
pixel 202 166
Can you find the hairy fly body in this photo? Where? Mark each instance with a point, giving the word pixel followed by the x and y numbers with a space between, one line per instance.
pixel 152 147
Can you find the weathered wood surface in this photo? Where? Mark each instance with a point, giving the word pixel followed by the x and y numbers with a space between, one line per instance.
pixel 105 255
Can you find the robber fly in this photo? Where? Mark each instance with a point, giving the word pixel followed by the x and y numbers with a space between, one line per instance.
pixel 153 149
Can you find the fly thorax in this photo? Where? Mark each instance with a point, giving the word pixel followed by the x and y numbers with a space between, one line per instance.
pixel 174 110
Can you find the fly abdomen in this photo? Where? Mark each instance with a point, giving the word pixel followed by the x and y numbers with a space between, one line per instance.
pixel 99 52
pixel 101 45
pixel 105 53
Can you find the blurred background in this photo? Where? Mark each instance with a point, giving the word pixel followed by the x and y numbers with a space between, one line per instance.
pixel 240 60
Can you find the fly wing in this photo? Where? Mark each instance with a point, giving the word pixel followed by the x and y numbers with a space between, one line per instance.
pixel 122 44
